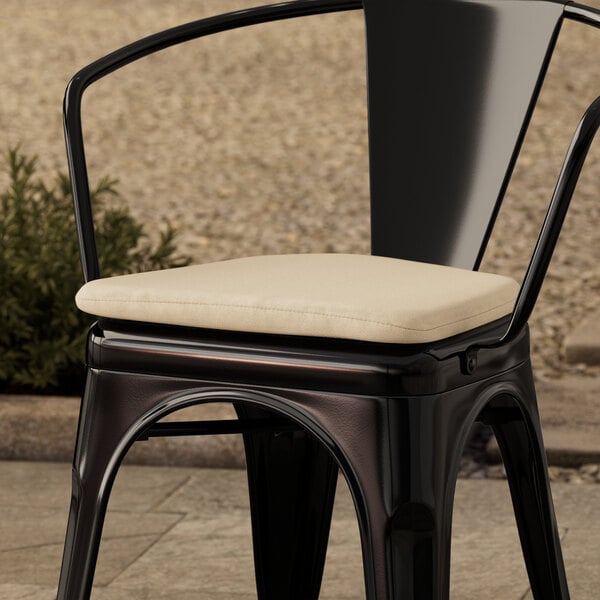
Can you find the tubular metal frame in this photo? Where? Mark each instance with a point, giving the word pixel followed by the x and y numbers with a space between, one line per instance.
pixel 553 222
pixel 132 52
pixel 301 403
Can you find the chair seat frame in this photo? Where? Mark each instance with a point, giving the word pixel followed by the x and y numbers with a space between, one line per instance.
pixel 393 419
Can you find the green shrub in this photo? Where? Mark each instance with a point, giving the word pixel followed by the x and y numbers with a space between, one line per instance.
pixel 42 334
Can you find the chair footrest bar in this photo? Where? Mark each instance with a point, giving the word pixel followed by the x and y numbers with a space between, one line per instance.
pixel 220 427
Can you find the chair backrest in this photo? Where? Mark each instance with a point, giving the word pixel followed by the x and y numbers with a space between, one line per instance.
pixel 452 84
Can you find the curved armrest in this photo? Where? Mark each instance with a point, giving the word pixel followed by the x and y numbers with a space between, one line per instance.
pixel 132 52
pixel 553 221
pixel 544 247
pixel 559 204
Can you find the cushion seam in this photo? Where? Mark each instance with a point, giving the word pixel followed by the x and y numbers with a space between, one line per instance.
pixel 299 312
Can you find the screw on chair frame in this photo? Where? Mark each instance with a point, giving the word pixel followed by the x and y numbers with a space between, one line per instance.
pixel 303 399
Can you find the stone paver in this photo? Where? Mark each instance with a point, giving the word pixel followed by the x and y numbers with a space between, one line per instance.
pixel 187 531
pixel 582 344
pixel 23 417
pixel 137 489
pixel 15 591
pixel 39 565
pixel 39 526
pixel 570 414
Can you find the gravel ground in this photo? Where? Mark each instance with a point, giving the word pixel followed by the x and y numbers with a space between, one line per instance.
pixel 255 141
pixel 586 474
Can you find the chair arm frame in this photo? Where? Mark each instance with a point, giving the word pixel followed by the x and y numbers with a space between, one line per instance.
pixel 132 52
pixel 561 198
pixel 553 221
pixel 556 212
pixel 559 203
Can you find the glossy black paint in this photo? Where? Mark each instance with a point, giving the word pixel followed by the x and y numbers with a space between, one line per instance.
pixel 399 455
pixel 519 438
pixel 392 419
pixel 291 479
pixel 451 89
pixel 300 362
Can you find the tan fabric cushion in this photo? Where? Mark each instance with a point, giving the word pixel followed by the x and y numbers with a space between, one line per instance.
pixel 346 296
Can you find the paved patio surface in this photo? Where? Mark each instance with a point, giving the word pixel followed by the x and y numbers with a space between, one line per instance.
pixel 185 533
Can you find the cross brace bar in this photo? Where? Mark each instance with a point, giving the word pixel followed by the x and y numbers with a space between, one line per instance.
pixel 220 427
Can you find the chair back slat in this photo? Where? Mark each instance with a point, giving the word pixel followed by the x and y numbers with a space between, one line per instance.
pixel 451 87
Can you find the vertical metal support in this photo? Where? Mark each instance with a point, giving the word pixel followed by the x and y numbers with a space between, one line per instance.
pixel 553 222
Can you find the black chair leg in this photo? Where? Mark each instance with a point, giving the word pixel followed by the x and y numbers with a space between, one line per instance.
pixel 113 410
pixel 400 457
pixel 93 474
pixel 518 432
pixel 292 480
pixel 413 534
pixel 86 516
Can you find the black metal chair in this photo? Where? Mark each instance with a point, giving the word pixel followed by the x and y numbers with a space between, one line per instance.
pixel 374 365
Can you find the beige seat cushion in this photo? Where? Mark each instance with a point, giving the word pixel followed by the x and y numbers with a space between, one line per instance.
pixel 345 296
